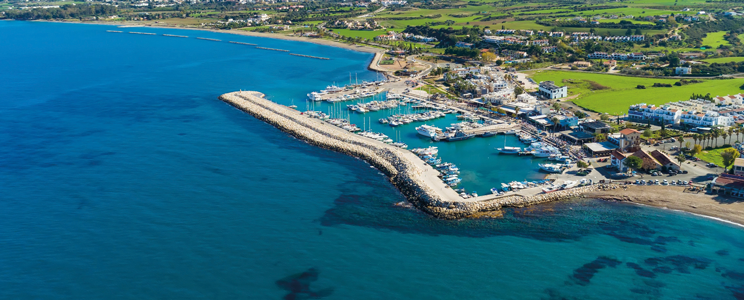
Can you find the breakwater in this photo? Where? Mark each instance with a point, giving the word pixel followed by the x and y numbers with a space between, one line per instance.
pixel 208 39
pixel 241 43
pixel 310 56
pixel 173 35
pixel 272 49
pixel 144 33
pixel 116 31
pixel 416 180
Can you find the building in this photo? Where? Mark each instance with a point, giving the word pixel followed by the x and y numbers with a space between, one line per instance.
pixel 464 45
pixel 739 167
pixel 727 184
pixel 683 71
pixel 655 160
pixel 644 113
pixel 600 149
pixel 596 127
pixel 626 139
pixel 549 90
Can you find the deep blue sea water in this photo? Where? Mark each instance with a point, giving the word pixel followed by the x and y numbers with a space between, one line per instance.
pixel 123 177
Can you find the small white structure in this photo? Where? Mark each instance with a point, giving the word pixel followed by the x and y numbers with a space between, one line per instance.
pixel 552 91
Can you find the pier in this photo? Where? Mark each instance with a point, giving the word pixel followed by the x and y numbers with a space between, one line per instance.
pixel 208 39
pixel 309 56
pixel 272 49
pixel 418 181
pixel 173 35
pixel 241 43
pixel 145 33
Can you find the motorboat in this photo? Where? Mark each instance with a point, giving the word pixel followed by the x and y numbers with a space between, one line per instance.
pixel 570 184
pixel 550 189
pixel 488 134
pixel 428 131
pixel 551 168
pixel 459 136
pixel 509 150
pixel 513 131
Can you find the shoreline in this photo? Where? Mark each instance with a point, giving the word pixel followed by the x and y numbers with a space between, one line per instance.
pixel 714 207
pixel 277 36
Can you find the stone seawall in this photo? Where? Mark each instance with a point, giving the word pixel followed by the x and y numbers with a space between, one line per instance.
pixel 408 173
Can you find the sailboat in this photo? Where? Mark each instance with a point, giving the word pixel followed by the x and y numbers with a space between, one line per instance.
pixel 508 150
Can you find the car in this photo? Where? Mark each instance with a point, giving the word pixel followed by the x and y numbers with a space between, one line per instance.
pixel 643 182
pixel 654 174
pixel 673 182
pixel 665 182
pixel 686 182
pixel 684 171
pixel 637 181
pixel 710 165
pixel 656 182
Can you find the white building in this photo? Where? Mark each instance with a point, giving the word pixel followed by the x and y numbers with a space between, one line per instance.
pixel 552 91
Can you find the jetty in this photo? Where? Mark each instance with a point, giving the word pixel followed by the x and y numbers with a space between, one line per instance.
pixel 145 33
pixel 310 56
pixel 117 31
pixel 418 181
pixel 272 49
pixel 208 39
pixel 241 43
pixel 173 35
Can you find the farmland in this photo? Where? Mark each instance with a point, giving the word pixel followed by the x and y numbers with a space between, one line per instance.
pixel 621 91
pixel 722 60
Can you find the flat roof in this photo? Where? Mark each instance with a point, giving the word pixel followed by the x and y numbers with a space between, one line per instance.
pixel 601 147
pixel 739 162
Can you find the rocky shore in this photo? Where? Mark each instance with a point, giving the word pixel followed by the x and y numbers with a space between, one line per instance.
pixel 416 180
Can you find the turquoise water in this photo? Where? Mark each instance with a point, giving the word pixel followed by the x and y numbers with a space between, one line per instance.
pixel 123 177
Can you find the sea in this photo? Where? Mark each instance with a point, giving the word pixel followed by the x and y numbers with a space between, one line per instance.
pixel 122 176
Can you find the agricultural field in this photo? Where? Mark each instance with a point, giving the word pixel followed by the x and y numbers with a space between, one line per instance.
pixel 715 39
pixel 614 93
pixel 721 60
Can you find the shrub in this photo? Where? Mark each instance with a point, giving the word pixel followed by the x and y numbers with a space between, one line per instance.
pixel 643 87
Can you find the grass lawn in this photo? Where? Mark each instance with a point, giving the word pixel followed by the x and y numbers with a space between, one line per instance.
pixel 724 59
pixel 715 39
pixel 622 90
pixel 712 156
pixel 367 34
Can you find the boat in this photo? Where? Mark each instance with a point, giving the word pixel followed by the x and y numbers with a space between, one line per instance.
pixel 495 191
pixel 428 131
pixel 505 187
pixel 509 150
pixel 551 168
pixel 570 184
pixel 513 131
pixel 488 134
pixel 315 96
pixel 459 136
pixel 550 189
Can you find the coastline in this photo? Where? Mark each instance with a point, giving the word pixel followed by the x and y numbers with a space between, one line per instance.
pixel 318 41
pixel 675 198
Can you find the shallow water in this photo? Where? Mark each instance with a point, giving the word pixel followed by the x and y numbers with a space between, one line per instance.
pixel 123 177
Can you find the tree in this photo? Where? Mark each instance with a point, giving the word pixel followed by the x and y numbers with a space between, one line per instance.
pixel 681 158
pixel 557 106
pixel 516 112
pixel 729 156
pixel 681 140
pixel 582 164
pixel 697 149
pixel 687 145
pixel 604 117
pixel 633 162
pixel 647 133
pixel 555 122
pixel 598 137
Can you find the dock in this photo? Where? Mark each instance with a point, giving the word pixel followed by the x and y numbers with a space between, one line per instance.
pixel 208 39
pixel 144 33
pixel 496 128
pixel 310 56
pixel 173 35
pixel 272 49
pixel 241 43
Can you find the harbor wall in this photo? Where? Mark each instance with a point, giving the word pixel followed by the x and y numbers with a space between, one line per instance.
pixel 400 166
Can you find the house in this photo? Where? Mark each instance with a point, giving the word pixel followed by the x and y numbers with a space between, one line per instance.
pixel 626 138
pixel 682 70
pixel 600 149
pixel 598 55
pixel 582 64
pixel 596 127
pixel 550 49
pixel 655 160
pixel 549 90
pixel 609 63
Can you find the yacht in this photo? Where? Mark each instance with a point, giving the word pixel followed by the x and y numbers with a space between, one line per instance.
pixel 551 188
pixel 509 150
pixel 551 168
pixel 315 96
pixel 428 131
pixel 332 89
pixel 513 131
pixel 488 134
pixel 459 136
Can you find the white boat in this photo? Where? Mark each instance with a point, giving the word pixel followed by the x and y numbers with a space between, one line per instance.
pixel 428 131
pixel 315 96
pixel 332 89
pixel 509 150
pixel 513 131
pixel 551 188
pixel 570 184
pixel 551 168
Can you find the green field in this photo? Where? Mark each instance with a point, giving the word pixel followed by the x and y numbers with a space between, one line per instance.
pixel 715 39
pixel 365 34
pixel 724 59
pixel 713 156
pixel 622 90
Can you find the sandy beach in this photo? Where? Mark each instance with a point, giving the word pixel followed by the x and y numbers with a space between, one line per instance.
pixel 319 41
pixel 672 197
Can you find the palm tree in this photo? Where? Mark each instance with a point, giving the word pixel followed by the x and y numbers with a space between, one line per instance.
pixel 724 135
pixel 681 140
pixel 716 133
pixel 516 112
pixel 731 133
pixel 738 134
pixel 695 137
pixel 555 123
